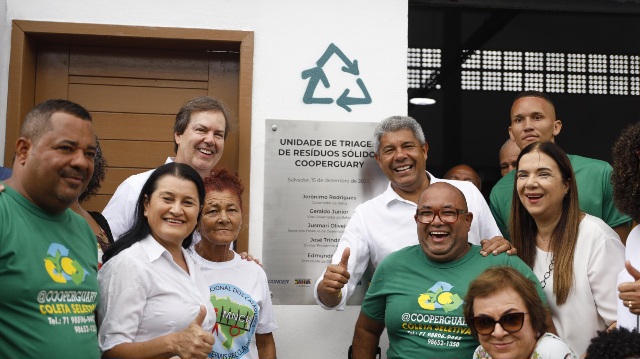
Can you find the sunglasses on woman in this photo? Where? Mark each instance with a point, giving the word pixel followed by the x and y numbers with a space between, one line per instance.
pixel 510 323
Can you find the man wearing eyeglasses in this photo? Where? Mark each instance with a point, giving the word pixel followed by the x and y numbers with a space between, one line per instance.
pixel 384 224
pixel 417 292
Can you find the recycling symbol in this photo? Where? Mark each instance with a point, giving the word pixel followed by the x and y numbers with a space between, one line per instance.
pixel 317 75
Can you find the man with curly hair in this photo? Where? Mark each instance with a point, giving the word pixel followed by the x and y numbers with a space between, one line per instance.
pixel 626 194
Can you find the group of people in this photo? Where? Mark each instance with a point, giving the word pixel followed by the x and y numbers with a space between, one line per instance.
pixel 529 275
pixel 557 211
pixel 170 285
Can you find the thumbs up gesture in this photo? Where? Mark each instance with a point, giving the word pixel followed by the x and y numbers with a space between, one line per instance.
pixel 337 275
pixel 630 291
pixel 194 342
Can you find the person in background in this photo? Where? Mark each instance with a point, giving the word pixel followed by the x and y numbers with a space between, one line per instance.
pixel 507 316
pixel 5 173
pixel 235 285
pixel 626 194
pixel 200 129
pixel 533 119
pixel 153 298
pixel 617 343
pixel 576 256
pixel 96 220
pixel 464 173
pixel 384 224
pixel 417 292
pixel 48 262
pixel 508 155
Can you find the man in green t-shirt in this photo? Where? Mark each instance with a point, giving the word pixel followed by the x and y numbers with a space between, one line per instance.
pixel 48 254
pixel 417 292
pixel 533 119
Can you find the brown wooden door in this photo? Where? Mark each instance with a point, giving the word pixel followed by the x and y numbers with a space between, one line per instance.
pixel 133 95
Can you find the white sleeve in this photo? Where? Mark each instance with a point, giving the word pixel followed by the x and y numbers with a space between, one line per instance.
pixel 550 346
pixel 605 264
pixel 355 238
pixel 487 224
pixel 120 211
pixel 266 321
pixel 123 296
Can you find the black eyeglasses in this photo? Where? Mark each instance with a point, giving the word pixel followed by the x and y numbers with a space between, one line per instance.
pixel 446 215
pixel 510 323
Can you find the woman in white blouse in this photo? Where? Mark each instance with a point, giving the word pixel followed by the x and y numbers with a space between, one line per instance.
pixel 153 301
pixel 576 256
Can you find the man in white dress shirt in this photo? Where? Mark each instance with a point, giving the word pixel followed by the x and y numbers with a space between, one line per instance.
pixel 385 223
pixel 200 130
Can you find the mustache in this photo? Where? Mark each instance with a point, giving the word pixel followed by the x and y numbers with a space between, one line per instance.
pixel 70 172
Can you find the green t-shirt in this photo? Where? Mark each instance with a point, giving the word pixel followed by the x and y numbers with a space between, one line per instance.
pixel 595 193
pixel 48 271
pixel 420 301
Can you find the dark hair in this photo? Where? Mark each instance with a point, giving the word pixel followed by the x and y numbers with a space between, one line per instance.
pixel 626 171
pixel 496 279
pixel 200 104
pixel 141 228
pixel 564 237
pixel 223 180
pixel 36 122
pixel 614 344
pixel 99 172
pixel 533 93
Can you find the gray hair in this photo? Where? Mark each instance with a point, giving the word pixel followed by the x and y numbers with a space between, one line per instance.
pixel 397 123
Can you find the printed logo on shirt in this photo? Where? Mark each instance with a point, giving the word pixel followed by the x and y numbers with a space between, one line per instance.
pixel 440 295
pixel 236 320
pixel 61 267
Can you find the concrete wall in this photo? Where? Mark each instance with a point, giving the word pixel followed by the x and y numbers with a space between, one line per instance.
pixel 290 36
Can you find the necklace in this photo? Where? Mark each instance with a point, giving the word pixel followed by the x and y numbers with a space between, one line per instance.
pixel 543 282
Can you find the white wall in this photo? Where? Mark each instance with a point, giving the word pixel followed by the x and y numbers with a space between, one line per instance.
pixel 290 36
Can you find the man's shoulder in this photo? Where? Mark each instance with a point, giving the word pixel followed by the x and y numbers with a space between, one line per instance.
pixel 586 163
pixel 377 201
pixel 504 184
pixel 138 179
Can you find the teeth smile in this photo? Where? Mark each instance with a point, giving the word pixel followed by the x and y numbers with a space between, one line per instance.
pixel 206 152
pixel 438 233
pixel 173 221
pixel 403 168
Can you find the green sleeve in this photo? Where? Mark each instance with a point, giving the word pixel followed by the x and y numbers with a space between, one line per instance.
pixel 610 213
pixel 500 202
pixel 523 268
pixel 375 301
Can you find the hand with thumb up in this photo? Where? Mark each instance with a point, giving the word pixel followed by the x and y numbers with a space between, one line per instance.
pixel 335 278
pixel 630 291
pixel 193 341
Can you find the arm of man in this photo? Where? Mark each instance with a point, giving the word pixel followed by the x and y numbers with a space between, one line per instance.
pixel 366 337
pixel 266 346
pixel 335 278
pixel 119 212
pixel 338 282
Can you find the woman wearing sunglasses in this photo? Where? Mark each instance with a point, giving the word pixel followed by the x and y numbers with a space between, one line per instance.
pixel 506 315
pixel 576 256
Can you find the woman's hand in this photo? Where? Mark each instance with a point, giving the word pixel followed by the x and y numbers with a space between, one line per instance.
pixel 193 341
pixel 630 291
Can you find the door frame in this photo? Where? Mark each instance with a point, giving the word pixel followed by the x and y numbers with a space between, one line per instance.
pixel 27 34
